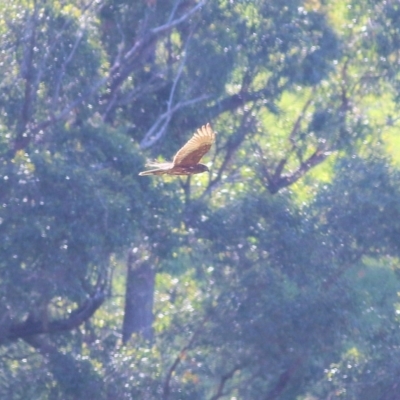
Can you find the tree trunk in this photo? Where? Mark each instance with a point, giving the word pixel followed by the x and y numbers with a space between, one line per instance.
pixel 139 296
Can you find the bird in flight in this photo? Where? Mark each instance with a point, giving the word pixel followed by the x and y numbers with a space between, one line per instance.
pixel 186 160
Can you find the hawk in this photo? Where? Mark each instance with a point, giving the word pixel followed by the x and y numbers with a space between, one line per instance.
pixel 186 160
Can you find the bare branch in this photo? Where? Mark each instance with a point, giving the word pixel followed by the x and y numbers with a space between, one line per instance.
pixel 175 7
pixel 28 128
pixel 114 71
pixel 140 42
pixel 124 65
pixel 153 135
pixel 171 24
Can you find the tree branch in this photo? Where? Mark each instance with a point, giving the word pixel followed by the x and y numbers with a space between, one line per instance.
pixel 278 181
pixel 152 134
pixel 126 64
pixel 155 133
pixel 32 326
pixel 170 24
pixel 223 380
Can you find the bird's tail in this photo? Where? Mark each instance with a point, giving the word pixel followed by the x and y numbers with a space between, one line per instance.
pixel 153 172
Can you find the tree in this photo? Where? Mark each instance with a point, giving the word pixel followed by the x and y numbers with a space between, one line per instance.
pixel 246 282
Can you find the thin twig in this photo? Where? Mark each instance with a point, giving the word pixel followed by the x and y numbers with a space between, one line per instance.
pixel 178 21
pixel 174 8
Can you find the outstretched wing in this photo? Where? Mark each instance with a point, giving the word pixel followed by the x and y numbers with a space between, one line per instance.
pixel 195 148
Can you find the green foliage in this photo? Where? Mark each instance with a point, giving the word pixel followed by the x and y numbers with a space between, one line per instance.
pixel 276 274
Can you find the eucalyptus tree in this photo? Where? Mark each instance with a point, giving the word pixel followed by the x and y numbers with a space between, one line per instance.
pixel 242 278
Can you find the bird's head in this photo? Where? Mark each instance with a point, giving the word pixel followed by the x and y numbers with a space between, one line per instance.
pixel 199 168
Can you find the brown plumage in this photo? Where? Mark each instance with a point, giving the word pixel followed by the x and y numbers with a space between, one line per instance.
pixel 186 160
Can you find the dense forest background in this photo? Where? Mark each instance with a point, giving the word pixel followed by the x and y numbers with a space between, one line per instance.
pixel 274 276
